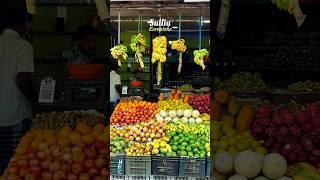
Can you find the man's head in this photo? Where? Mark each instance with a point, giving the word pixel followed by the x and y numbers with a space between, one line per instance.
pixel 113 65
pixel 87 39
pixel 16 19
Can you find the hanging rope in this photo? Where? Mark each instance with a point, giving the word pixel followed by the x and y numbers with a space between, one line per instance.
pixel 139 24
pixel 200 21
pixel 179 26
pixel 119 26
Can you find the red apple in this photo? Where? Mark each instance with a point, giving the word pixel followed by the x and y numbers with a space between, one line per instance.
pixel 78 157
pixel 12 169
pixel 93 172
pixel 99 145
pixel 104 152
pixel 56 152
pixel 65 166
pixel 46 175
pixel 104 172
pixel 33 162
pixel 59 175
pixel 84 177
pixel 54 166
pixel 41 155
pixel 76 149
pixel 90 153
pixel 100 163
pixel 35 170
pixel 30 176
pixel 77 168
pixel 45 164
pixel 22 162
pixel 88 163
pixel 31 155
pixel 23 172
pixel 72 177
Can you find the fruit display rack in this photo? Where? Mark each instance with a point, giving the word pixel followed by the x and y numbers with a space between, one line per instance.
pixel 168 138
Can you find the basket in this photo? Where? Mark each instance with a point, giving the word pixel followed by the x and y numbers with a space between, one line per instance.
pixel 117 165
pixel 86 71
pixel 192 167
pixel 138 165
pixel 165 166
pixel 209 167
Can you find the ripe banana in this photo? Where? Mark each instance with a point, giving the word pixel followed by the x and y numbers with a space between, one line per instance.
pixel 138 45
pixel 159 45
pixel 119 53
pixel 199 57
pixel 181 48
pixel 285 5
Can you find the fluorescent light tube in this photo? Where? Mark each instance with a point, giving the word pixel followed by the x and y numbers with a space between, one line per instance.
pixel 188 1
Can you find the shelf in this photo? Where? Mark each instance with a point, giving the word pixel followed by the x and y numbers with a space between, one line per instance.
pixel 131 80
pixel 279 68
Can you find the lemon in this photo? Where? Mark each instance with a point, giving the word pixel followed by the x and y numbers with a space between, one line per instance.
pixel 156 146
pixel 163 144
pixel 240 146
pixel 232 141
pixel 232 150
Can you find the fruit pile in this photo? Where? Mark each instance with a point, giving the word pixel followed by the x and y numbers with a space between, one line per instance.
pixel 185 87
pixel 119 53
pixel 307 86
pixel 249 165
pixel 139 149
pixel 228 139
pixel 197 129
pixel 244 82
pixel 141 133
pixel 78 153
pixel 56 120
pixel 138 45
pixel 175 94
pixel 291 131
pixel 200 57
pixel 172 105
pixel 200 102
pixel 118 145
pixel 186 116
pixel 128 112
pixel 188 144
pixel 162 148
pixel 303 170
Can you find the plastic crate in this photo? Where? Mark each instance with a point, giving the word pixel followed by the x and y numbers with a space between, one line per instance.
pixel 137 178
pixel 155 177
pixel 165 166
pixel 138 165
pixel 117 165
pixel 209 167
pixel 116 177
pixel 192 167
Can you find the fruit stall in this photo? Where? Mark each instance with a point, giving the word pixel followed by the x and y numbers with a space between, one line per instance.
pixel 265 104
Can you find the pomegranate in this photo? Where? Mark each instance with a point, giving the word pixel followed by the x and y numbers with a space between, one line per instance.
pixel 84 177
pixel 90 153
pixel 46 175
pixel 35 170
pixel 88 163
pixel 54 166
pixel 77 168
pixel 93 172
pixel 264 110
pixel 72 177
pixel 59 175
pixel 100 163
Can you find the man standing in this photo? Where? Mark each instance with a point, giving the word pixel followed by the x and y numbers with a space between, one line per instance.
pixel 85 44
pixel 115 85
pixel 16 92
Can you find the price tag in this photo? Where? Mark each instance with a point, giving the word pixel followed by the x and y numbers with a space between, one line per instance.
pixel 129 65
pixel 47 89
pixel 125 90
pixel 31 8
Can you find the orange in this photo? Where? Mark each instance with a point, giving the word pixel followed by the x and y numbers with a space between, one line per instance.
pixel 75 138
pixel 88 139
pixel 64 142
pixel 21 149
pixel 51 140
pixel 83 128
pixel 35 144
pixel 65 131
pixel 99 127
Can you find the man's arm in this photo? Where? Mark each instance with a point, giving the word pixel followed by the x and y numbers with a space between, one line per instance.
pixel 118 83
pixel 24 82
pixel 118 88
pixel 25 68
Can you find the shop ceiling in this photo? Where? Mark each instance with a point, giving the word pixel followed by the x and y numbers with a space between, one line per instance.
pixel 190 12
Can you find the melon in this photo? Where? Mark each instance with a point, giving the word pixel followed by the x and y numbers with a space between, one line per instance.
pixel 274 166
pixel 284 178
pixel 195 113
pixel 248 164
pixel 180 113
pixel 172 113
pixel 261 178
pixel 187 113
pixel 163 113
pixel 192 120
pixel 175 119
pixel 199 120
pixel 168 119
pixel 237 177
pixel 223 162
pixel 185 120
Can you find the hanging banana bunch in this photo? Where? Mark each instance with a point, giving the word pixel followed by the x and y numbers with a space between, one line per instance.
pixel 159 47
pixel 200 57
pixel 119 53
pixel 138 45
pixel 181 48
pixel 293 7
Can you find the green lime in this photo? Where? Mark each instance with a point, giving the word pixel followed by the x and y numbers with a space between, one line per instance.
pixel 180 141
pixel 176 138
pixel 181 135
pixel 190 154
pixel 186 139
pixel 179 131
pixel 183 153
pixel 174 154
pixel 196 155
pixel 202 155
pixel 184 144
pixel 188 148
pixel 182 148
pixel 175 143
pixel 174 148
pixel 163 150
pixel 195 151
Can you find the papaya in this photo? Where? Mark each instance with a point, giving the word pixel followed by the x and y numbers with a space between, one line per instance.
pixel 176 96
pixel 186 99
pixel 245 117
pixel 221 96
pixel 233 106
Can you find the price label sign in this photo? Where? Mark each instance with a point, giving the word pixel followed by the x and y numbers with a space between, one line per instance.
pixel 47 89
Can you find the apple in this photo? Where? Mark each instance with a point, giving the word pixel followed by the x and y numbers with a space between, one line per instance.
pixel 104 172
pixel 22 162
pixel 88 163
pixel 104 152
pixel 31 155
pixel 72 177
pixel 56 152
pixel 84 177
pixel 33 162
pixel 22 172
pixel 46 175
pixel 54 166
pixel 35 170
pixel 12 170
pixel 45 164
pixel 77 168
pixel 93 172
pixel 76 149
pixel 100 163
pixel 65 166
pixel 90 153
pixel 99 145
pixel 78 157
pixel 41 155
pixel 59 175
pixel 98 178
pixel 66 156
